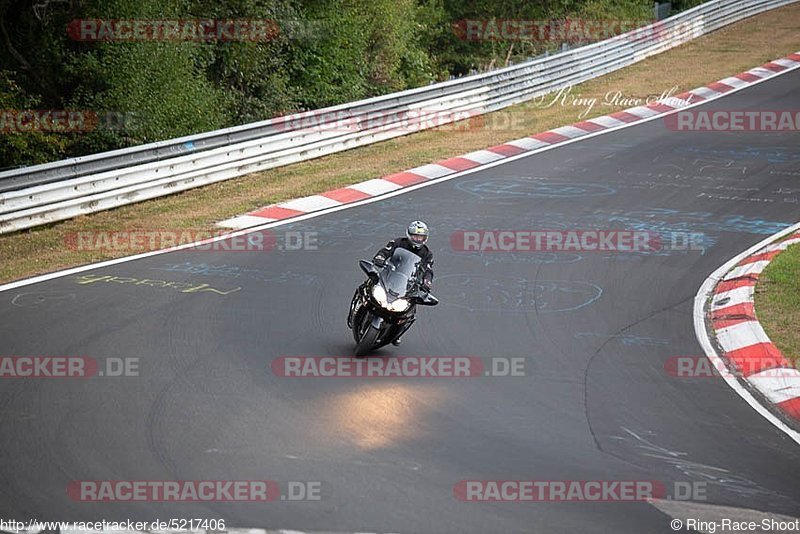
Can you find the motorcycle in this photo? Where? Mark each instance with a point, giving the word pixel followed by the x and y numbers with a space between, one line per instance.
pixel 383 308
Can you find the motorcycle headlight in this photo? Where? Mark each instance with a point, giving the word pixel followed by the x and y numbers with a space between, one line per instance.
pixel 379 294
pixel 399 305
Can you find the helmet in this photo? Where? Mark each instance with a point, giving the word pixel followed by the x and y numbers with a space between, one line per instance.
pixel 417 232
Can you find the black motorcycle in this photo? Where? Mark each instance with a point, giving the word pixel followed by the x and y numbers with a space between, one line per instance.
pixel 384 306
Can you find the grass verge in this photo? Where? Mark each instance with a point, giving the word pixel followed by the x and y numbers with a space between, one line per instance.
pixel 723 53
pixel 777 301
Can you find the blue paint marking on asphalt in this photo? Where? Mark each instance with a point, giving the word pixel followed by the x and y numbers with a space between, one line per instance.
pixel 515 295
pixel 515 257
pixel 669 220
pixel 771 155
pixel 235 271
pixel 520 188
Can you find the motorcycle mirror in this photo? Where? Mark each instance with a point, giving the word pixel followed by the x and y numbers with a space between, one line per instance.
pixel 428 300
pixel 366 266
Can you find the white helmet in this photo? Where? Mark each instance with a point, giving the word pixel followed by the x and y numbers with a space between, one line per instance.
pixel 417 232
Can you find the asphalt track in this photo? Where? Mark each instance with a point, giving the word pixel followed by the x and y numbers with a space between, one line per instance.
pixel 595 330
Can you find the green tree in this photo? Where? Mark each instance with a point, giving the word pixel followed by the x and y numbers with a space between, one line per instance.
pixel 162 83
pixel 254 75
pixel 20 148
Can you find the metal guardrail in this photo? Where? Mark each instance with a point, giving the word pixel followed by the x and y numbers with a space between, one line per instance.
pixel 60 190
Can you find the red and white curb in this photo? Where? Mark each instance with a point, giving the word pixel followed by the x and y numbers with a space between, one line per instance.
pixel 534 143
pixel 726 327
pixel 742 341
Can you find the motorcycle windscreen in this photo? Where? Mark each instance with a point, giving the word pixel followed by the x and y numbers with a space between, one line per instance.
pixel 399 271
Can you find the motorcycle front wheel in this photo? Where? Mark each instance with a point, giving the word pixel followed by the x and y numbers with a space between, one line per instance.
pixel 368 338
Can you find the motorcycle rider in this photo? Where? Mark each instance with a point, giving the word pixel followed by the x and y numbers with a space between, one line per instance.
pixel 415 241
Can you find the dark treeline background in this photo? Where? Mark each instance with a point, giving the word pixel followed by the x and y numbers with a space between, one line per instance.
pixel 327 52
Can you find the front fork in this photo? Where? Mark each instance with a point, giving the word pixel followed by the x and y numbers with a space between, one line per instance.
pixel 356 303
pixel 404 327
